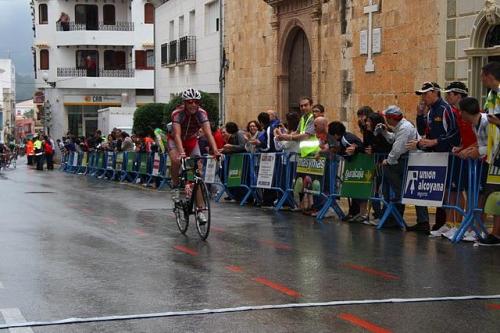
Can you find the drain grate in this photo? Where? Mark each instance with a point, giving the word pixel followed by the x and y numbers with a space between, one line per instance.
pixel 39 192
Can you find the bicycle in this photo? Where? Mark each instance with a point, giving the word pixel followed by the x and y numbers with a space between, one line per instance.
pixel 187 204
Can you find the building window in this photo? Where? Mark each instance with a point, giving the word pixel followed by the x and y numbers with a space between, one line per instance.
pixel 181 26
pixel 149 13
pixel 43 13
pixel 164 54
pixel 114 60
pixel 88 60
pixel 144 59
pixel 172 52
pixel 87 16
pixel 108 14
pixel 44 59
pixel 211 17
pixel 192 23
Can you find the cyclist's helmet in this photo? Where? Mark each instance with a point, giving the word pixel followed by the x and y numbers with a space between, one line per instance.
pixel 191 94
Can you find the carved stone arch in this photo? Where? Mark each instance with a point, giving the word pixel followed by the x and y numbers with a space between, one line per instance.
pixel 293 30
pixel 478 53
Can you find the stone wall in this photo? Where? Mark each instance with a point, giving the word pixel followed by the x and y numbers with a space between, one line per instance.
pixel 250 76
pixel 421 41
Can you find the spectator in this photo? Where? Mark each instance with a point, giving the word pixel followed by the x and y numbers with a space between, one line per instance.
pixel 38 145
pixel 253 129
pixel 308 143
pixel 318 111
pixel 292 119
pixel 437 122
pixel 348 144
pixel 235 141
pixel 64 21
pixel 49 152
pixel 470 110
pixel 394 166
pixel 127 143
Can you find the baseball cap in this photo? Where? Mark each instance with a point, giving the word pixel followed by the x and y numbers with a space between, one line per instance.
pixel 457 87
pixel 393 112
pixel 428 86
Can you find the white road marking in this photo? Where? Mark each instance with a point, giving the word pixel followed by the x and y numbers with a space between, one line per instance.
pixel 246 308
pixel 12 316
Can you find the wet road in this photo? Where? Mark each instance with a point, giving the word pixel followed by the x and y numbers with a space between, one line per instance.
pixel 73 246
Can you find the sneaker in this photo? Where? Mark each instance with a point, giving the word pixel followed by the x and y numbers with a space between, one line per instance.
pixel 349 217
pixel 440 231
pixel 470 236
pixel 373 222
pixel 450 233
pixel 437 226
pixel 202 219
pixel 359 218
pixel 490 240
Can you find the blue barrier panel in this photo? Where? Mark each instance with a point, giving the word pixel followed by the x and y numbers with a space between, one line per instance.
pixel 271 172
pixel 83 165
pixel 97 163
pixel 131 160
pixel 244 174
pixel 109 171
pixel 90 162
pixel 333 186
pixel 64 161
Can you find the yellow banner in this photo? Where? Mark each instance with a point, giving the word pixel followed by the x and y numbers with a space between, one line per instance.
pixel 493 154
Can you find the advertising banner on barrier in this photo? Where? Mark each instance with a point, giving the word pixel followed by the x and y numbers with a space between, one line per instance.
pixel 75 159
pixel 426 179
pixel 130 161
pixel 357 179
pixel 109 162
pixel 310 174
pixel 119 160
pixel 210 169
pixel 266 170
pixel 493 155
pixel 235 170
pixel 143 167
pixel 156 164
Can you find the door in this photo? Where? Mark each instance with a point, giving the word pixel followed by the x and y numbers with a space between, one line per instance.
pixel 89 126
pixel 299 70
pixel 87 15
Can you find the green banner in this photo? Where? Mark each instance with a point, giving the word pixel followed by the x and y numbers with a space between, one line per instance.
pixel 357 179
pixel 130 161
pixel 143 167
pixel 235 170
pixel 119 161
pixel 310 172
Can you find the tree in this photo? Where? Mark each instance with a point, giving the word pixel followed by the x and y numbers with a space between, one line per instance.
pixel 148 117
pixel 208 103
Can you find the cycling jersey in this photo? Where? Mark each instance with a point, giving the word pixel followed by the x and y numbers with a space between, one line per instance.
pixel 190 123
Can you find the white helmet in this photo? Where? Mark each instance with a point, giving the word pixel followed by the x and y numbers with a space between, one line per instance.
pixel 191 94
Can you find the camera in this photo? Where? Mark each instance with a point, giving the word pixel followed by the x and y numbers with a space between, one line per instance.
pixel 379 129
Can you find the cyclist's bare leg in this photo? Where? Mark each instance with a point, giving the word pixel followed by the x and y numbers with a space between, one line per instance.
pixel 175 166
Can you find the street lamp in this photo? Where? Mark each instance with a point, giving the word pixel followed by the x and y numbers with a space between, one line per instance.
pixel 45 77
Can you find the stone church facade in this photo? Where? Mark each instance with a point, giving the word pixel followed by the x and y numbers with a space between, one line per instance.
pixel 279 50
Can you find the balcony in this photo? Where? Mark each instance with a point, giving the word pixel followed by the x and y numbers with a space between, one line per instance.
pixel 118 26
pixel 101 72
pixel 187 50
pixel 119 34
pixel 80 78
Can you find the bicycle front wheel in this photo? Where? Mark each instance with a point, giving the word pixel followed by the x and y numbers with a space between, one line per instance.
pixel 202 211
pixel 181 216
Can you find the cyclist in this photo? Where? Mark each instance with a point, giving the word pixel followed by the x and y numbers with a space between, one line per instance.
pixel 187 120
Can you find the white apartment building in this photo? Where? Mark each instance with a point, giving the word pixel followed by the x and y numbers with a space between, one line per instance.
pixel 7 98
pixel 102 57
pixel 187 44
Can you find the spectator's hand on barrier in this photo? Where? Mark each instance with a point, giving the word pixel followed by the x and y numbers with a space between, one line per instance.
pixel 384 162
pixel 182 155
pixel 456 150
pixel 412 145
pixel 369 150
pixel 470 152
pixel 428 143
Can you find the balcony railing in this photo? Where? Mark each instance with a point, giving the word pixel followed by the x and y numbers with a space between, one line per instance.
pixel 172 52
pixel 101 72
pixel 118 26
pixel 187 49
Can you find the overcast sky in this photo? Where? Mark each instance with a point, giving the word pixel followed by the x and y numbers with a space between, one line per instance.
pixel 16 34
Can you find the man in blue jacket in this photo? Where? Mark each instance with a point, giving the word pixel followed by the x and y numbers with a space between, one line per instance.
pixel 437 122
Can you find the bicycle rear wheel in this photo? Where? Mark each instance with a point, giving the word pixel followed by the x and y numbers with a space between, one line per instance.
pixel 202 211
pixel 181 216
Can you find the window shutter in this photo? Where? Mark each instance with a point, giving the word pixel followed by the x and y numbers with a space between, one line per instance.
pixel 140 59
pixel 149 13
pixel 44 59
